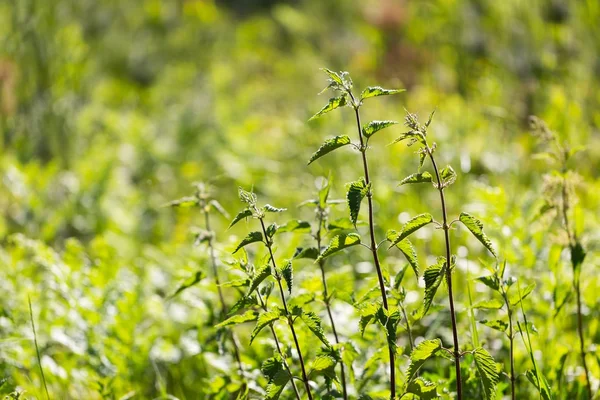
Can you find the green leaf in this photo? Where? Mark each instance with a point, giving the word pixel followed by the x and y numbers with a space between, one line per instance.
pixel 373 91
pixel 323 365
pixel 490 281
pixel 424 351
pixel 295 226
pixel 389 320
pixel 492 304
pixel 247 197
pixel 220 209
pixel 476 228
pixel 425 390
pixel 313 322
pixel 241 303
pixel 272 230
pixel 543 388
pixel 333 103
pixel 202 235
pixel 271 366
pixel 249 315
pixel 184 202
pixel 252 237
pixel 422 156
pixel 287 273
pixel 367 315
pixel 419 177
pixel 495 324
pixel 338 243
pixel 329 146
pixel 189 282
pixel 433 276
pixel 270 208
pixel 374 126
pixel 577 255
pixel 324 192
pixel 448 176
pixel 259 277
pixel 308 252
pixel 487 372
pixel 412 226
pixel 413 135
pixel 341 224
pixel 517 297
pixel 407 248
pixel 334 76
pixel 356 193
pixel 278 376
pixel 264 319
pixel 241 215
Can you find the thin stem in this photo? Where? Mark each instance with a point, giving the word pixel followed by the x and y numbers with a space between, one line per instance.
pixel 213 259
pixel 37 349
pixel 374 243
pixel 408 330
pixel 576 284
pixel 327 301
pixel 446 228
pixel 278 346
pixel 287 312
pixel 513 392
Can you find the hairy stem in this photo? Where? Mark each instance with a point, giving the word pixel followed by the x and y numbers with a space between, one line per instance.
pixel 213 259
pixel 327 301
pixel 278 346
pixel 446 229
pixel 513 394
pixel 287 312
pixel 363 151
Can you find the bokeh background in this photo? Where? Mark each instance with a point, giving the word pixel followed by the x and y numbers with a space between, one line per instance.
pixel 110 109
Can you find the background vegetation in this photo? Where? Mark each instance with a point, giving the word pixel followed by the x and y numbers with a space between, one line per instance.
pixel 110 109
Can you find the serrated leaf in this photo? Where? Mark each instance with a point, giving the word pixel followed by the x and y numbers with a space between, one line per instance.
pixel 313 322
pixel 271 366
pixel 356 193
pixel 259 277
pixel 495 324
pixel 419 177
pixel 334 76
pixel 288 275
pixel 270 208
pixel 412 226
pixel 220 209
pixel 277 384
pixel 241 303
pixel 333 103
pixel 389 320
pixel 433 277
pixel 422 156
pixel 308 252
pixel 240 216
pixel 490 281
pixel 400 277
pixel 492 304
pixel 189 282
pixel 237 283
pixel 272 230
pixel 295 226
pixel 406 247
pixel 264 319
pixel 375 126
pixel 476 228
pixel 414 137
pixel 330 145
pixel 517 297
pixel 448 176
pixel 421 353
pixel 247 197
pixel 374 91
pixel 323 365
pixel 487 372
pixel 252 237
pixel 184 202
pixel 367 315
pixel 249 315
pixel 338 243
pixel 543 388
pixel 425 390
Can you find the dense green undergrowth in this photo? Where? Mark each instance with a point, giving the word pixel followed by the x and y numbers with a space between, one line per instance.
pixel 365 272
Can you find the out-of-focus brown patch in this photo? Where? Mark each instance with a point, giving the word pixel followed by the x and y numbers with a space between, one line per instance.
pixel 400 59
pixel 8 81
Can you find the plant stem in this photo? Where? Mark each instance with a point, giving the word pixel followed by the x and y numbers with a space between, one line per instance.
pixel 213 259
pixel 363 151
pixel 576 284
pixel 37 349
pixel 327 300
pixel 408 330
pixel 287 312
pixel 513 394
pixel 446 228
pixel 277 345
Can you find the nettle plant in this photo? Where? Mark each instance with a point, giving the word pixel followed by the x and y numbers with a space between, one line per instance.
pixel 383 310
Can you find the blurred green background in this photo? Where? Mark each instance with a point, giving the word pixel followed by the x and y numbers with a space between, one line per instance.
pixel 111 108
